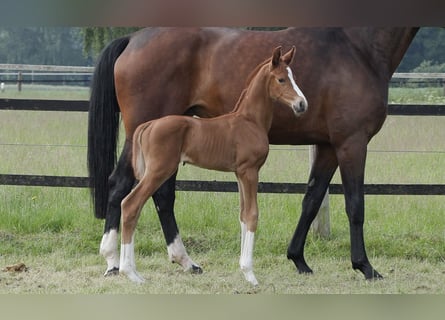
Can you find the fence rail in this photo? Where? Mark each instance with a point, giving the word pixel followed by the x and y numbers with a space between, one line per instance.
pixel 228 186
pixel 82 106
pixel 44 68
pixel 216 186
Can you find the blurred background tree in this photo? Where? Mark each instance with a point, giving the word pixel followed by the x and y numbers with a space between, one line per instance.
pixel 82 45
pixel 96 38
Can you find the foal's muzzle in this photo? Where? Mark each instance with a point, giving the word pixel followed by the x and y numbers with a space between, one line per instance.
pixel 299 106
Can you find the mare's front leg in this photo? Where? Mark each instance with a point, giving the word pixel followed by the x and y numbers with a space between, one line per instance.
pixel 248 188
pixel 164 199
pixel 121 181
pixel 323 168
pixel 351 158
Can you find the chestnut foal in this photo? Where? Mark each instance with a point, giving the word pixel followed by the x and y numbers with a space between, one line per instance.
pixel 236 142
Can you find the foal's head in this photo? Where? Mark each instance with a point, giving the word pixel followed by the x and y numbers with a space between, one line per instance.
pixel 282 86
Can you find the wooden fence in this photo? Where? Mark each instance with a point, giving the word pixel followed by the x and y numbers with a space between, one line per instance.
pixel 216 186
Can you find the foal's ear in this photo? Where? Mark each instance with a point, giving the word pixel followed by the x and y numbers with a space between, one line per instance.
pixel 276 55
pixel 288 56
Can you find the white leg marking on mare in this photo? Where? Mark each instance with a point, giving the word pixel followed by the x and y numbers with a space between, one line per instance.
pixel 177 253
pixel 128 264
pixel 294 84
pixel 108 249
pixel 246 258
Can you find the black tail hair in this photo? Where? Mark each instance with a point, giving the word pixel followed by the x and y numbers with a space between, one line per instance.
pixel 103 125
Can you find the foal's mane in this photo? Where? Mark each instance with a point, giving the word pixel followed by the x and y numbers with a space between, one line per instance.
pixel 248 81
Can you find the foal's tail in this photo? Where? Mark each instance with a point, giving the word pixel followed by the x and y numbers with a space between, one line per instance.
pixel 138 161
pixel 103 125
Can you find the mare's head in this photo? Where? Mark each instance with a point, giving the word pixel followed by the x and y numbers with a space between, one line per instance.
pixel 282 86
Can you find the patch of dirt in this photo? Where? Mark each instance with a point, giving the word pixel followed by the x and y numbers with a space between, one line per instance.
pixel 19 267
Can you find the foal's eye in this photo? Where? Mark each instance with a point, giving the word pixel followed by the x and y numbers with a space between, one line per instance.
pixel 281 80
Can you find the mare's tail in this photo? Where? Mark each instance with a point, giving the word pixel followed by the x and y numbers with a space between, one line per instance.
pixel 103 125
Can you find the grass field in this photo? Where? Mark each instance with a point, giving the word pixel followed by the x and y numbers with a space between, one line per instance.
pixel 53 231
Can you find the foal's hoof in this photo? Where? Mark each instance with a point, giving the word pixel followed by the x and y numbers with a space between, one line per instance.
pixel 133 275
pixel 196 269
pixel 251 278
pixel 112 272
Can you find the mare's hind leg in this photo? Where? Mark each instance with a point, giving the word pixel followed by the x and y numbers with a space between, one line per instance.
pixel 351 158
pixel 121 181
pixel 164 199
pixel 323 168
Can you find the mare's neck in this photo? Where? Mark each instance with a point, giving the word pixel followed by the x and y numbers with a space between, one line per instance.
pixel 256 103
pixel 384 48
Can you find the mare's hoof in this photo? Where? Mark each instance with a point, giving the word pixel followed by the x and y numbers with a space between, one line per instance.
pixel 196 269
pixel 112 272
pixel 300 263
pixel 368 271
pixel 373 275
pixel 305 271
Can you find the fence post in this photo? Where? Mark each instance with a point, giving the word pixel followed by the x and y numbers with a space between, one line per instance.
pixel 19 81
pixel 321 226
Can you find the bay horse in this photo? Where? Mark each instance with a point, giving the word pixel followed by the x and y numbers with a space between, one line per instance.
pixel 344 73
pixel 235 142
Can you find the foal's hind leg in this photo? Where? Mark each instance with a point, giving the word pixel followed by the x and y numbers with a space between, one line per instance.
pixel 121 181
pixel 131 209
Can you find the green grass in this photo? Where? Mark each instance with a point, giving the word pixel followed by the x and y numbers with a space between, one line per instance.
pixel 428 95
pixel 31 91
pixel 53 231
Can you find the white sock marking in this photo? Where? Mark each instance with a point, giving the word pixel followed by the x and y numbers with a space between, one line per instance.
pixel 246 258
pixel 108 249
pixel 177 253
pixel 128 264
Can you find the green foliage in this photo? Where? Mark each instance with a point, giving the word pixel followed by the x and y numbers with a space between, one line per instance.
pixel 428 95
pixel 429 66
pixel 81 45
pixel 96 38
pixel 429 45
pixel 41 45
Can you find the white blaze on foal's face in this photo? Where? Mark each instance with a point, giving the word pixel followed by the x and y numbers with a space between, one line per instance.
pixel 295 86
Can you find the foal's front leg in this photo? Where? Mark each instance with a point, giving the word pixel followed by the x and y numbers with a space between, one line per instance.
pixel 248 186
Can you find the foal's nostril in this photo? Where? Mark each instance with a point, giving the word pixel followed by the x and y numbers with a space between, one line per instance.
pixel 301 106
